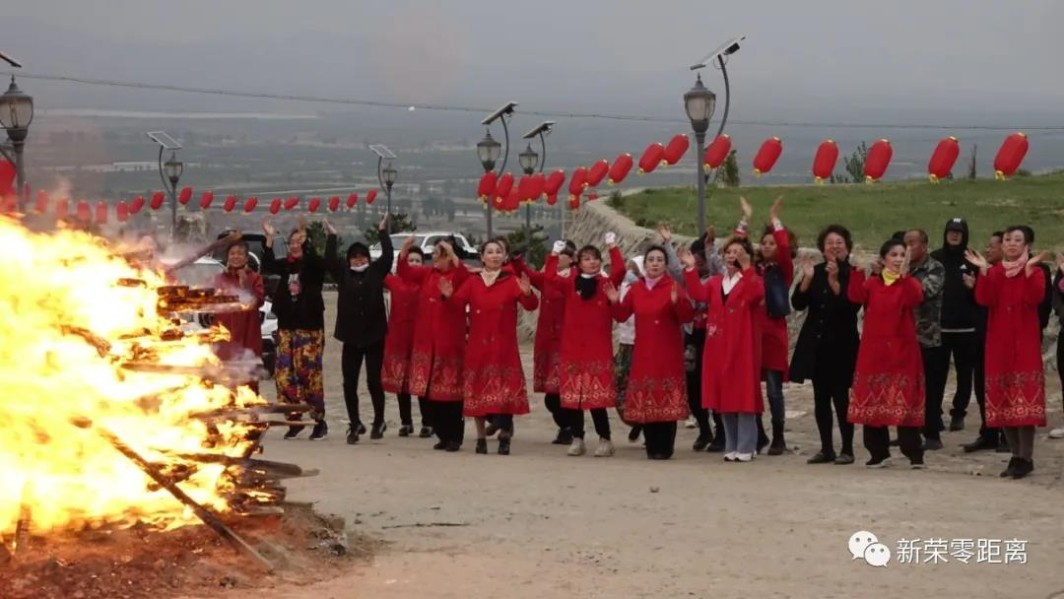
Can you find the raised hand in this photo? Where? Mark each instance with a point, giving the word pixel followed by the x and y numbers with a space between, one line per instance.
pixel 774 212
pixel 969 280
pixel 558 247
pixel 383 226
pixel 977 259
pixel 832 268
pixel 446 287
pixel 611 293
pixel 710 235
pixel 748 210
pixel 876 267
pixel 1034 262
pixel 611 239
pixel 329 228
pixel 807 268
pixel 407 244
pixel 687 258
pixel 665 232
pixel 525 284
pixel 904 270
pixel 268 228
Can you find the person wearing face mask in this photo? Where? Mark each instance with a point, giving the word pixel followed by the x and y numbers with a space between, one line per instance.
pixel 546 353
pixel 245 330
pixel 656 394
pixel 493 380
pixel 361 323
pixel 827 345
pixel 395 372
pixel 888 384
pixel 1012 292
pixel 439 341
pixel 731 379
pixel 300 311
pixel 989 438
pixel 587 342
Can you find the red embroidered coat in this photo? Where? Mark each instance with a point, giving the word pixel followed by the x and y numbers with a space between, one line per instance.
pixel 395 370
pixel 493 381
pixel 1015 378
pixel 888 384
pixel 731 362
pixel 587 340
pixel 546 353
pixel 774 343
pixel 657 382
pixel 439 334
pixel 245 327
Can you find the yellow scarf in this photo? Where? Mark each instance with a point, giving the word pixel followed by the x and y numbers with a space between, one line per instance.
pixel 889 278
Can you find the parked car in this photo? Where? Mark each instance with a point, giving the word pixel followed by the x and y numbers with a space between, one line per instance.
pixel 427 242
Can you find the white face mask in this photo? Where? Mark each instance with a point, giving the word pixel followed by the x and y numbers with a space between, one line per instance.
pixel 360 268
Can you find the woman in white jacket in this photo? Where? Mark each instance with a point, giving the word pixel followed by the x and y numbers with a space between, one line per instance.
pixel 622 360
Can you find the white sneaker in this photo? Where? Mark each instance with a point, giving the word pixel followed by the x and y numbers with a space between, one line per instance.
pixel 577 448
pixel 691 422
pixel 1057 433
pixel 744 457
pixel 604 449
pixel 730 456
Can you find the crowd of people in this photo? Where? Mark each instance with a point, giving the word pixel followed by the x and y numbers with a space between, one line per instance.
pixel 701 331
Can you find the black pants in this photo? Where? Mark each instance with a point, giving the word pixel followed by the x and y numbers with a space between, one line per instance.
pixel 979 383
pixel 1060 358
pixel 827 393
pixel 406 415
pixel 936 371
pixel 563 418
pixel 599 416
pixel 351 367
pixel 504 422
pixel 962 348
pixel 696 341
pixel 446 419
pixel 877 442
pixel 660 438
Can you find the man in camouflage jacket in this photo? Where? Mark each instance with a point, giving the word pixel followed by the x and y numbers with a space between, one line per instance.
pixel 932 276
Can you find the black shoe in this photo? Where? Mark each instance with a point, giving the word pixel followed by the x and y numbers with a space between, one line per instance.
pixel 633 435
pixel 565 437
pixel 293 432
pixel 716 445
pixel 1023 468
pixel 779 446
pixel 504 445
pixel 822 458
pixel 321 430
pixel 932 444
pixel 482 446
pixel 453 446
pixel 844 459
pixel 1010 470
pixel 406 430
pixel 378 431
pixel 352 434
pixel 762 440
pixel 956 423
pixel 701 442
pixel 980 444
pixel 426 432
pixel 895 443
pixel 440 446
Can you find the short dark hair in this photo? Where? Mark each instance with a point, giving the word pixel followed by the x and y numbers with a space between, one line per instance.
pixel 570 249
pixel 239 243
pixel 899 235
pixel 495 240
pixel 839 230
pixel 923 235
pixel 589 249
pixel 1028 234
pixel 998 234
pixel 698 246
pixel 792 239
pixel 742 241
pixel 656 248
pixel 416 250
pixel 889 245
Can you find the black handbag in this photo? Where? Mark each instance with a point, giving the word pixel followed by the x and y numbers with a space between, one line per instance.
pixel 777 300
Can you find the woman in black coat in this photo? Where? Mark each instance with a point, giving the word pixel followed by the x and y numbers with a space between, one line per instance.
pixel 826 351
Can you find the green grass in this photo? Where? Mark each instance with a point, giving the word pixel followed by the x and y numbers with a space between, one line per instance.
pixel 871 212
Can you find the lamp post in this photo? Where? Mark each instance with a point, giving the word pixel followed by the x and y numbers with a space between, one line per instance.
pixel 385 176
pixel 172 169
pixel 389 175
pixel 528 159
pixel 16 114
pixel 489 150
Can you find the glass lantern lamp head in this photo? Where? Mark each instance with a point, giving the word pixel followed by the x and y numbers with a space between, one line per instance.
pixel 699 103
pixel 16 112
pixel 488 150
pixel 173 168
pixel 529 159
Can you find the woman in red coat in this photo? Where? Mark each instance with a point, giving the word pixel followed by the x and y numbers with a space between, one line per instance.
pixel 395 370
pixel 439 341
pixel 493 381
pixel 888 384
pixel 245 328
pixel 587 342
pixel 731 363
pixel 656 396
pixel 1015 379
pixel 546 354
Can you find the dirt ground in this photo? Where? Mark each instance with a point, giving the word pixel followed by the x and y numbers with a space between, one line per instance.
pixel 540 524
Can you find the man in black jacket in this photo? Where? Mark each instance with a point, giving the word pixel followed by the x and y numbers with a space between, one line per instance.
pixel 989 439
pixel 960 315
pixel 361 323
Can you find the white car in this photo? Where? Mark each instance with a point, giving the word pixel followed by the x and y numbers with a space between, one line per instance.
pixel 427 242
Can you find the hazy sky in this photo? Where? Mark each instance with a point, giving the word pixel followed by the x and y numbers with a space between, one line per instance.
pixel 820 59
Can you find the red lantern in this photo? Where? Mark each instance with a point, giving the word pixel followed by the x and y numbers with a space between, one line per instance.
pixel 718 151
pixel 352 200
pixel 676 149
pixel 122 212
pixel 536 187
pixel 372 195
pixel 249 205
pixel 552 199
pixel 275 206
pixel 591 197
pixel 504 185
pixel 7 178
pixel 41 206
pixel 597 172
pixel 574 202
pixel 136 205
pixel 577 182
pixel 1010 155
pixel 523 189
pixel 943 159
pixel 101 212
pixel 334 203
pixel 62 207
pixel 827 155
pixel 291 202
pixel 314 204
pixel 767 155
pixel 512 202
pixel 651 158
pixel 486 188
pixel 157 200
pixel 206 199
pixel 185 196
pixel 83 211
pixel 878 160
pixel 621 166
pixel 230 203
pixel 554 182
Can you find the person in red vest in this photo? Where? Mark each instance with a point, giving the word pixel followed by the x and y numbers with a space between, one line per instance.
pixel 439 341
pixel 1012 292
pixel 731 378
pixel 244 326
pixel 395 371
pixel 546 353
pixel 888 384
pixel 656 395
pixel 587 342
pixel 493 381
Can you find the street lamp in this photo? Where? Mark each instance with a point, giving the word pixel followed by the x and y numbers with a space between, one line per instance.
pixel 385 176
pixel 16 114
pixel 530 157
pixel 390 175
pixel 489 150
pixel 170 171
